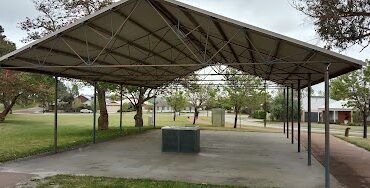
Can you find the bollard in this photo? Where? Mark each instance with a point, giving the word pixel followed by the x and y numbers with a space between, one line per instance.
pixel 347 132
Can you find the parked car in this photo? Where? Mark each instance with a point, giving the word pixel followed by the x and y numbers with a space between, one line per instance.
pixel 86 111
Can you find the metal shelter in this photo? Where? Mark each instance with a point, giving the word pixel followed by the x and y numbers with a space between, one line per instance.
pixel 153 42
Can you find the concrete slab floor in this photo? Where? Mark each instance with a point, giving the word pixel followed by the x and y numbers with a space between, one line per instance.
pixel 226 157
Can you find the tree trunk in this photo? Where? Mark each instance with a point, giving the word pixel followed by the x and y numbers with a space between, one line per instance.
pixel 103 117
pixel 139 115
pixel 236 118
pixel 139 109
pixel 6 111
pixel 174 115
pixel 196 114
pixel 364 119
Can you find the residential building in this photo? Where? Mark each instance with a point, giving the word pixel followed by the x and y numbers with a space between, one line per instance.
pixel 81 101
pixel 339 113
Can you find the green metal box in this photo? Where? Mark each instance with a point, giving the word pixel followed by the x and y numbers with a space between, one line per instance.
pixel 181 139
pixel 218 117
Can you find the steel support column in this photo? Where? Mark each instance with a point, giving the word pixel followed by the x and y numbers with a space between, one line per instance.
pixel 327 130
pixel 365 109
pixel 265 106
pixel 284 105
pixel 299 115
pixel 94 115
pixel 309 121
pixel 287 112
pixel 56 116
pixel 292 114
pixel 154 110
pixel 121 109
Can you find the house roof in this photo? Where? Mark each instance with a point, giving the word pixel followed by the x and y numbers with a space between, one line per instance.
pixel 83 98
pixel 337 106
pixel 318 104
pixel 153 42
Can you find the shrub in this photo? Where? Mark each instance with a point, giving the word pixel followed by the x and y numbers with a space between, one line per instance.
pixel 127 107
pixel 353 124
pixel 259 114
pixel 278 108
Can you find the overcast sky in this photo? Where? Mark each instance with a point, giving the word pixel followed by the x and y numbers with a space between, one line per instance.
pixel 277 16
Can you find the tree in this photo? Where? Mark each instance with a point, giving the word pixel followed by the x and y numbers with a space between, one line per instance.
pixel 55 14
pixel 243 91
pixel 198 96
pixel 340 23
pixel 355 88
pixel 7 77
pixel 6 46
pixel 196 93
pixel 213 100
pixel 14 85
pixel 74 90
pixel 177 101
pixel 225 103
pixel 137 97
pixel 278 107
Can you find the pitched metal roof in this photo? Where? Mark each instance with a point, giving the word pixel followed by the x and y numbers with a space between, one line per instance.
pixel 153 42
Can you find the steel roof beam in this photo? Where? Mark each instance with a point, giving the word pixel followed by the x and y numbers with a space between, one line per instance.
pixel 165 12
pixel 155 35
pixel 132 43
pixel 194 22
pixel 51 64
pixel 250 52
pixel 115 53
pixel 74 56
pixel 273 56
pixel 307 58
pixel 219 28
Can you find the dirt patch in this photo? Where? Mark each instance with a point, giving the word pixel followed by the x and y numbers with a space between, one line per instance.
pixel 9 179
pixel 348 163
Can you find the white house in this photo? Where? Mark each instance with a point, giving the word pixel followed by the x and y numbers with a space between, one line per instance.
pixel 338 112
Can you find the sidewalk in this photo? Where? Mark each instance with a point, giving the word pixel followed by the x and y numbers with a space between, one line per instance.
pixel 348 163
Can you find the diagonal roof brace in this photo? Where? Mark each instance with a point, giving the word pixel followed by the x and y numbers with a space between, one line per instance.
pixel 166 14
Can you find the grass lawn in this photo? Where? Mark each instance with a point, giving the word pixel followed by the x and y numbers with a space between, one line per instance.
pixel 17 107
pixel 23 135
pixel 358 141
pixel 66 181
pixel 334 126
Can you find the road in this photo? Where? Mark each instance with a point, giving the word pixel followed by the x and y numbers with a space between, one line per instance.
pixel 316 128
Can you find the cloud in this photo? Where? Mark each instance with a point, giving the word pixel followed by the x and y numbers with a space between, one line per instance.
pixel 11 13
